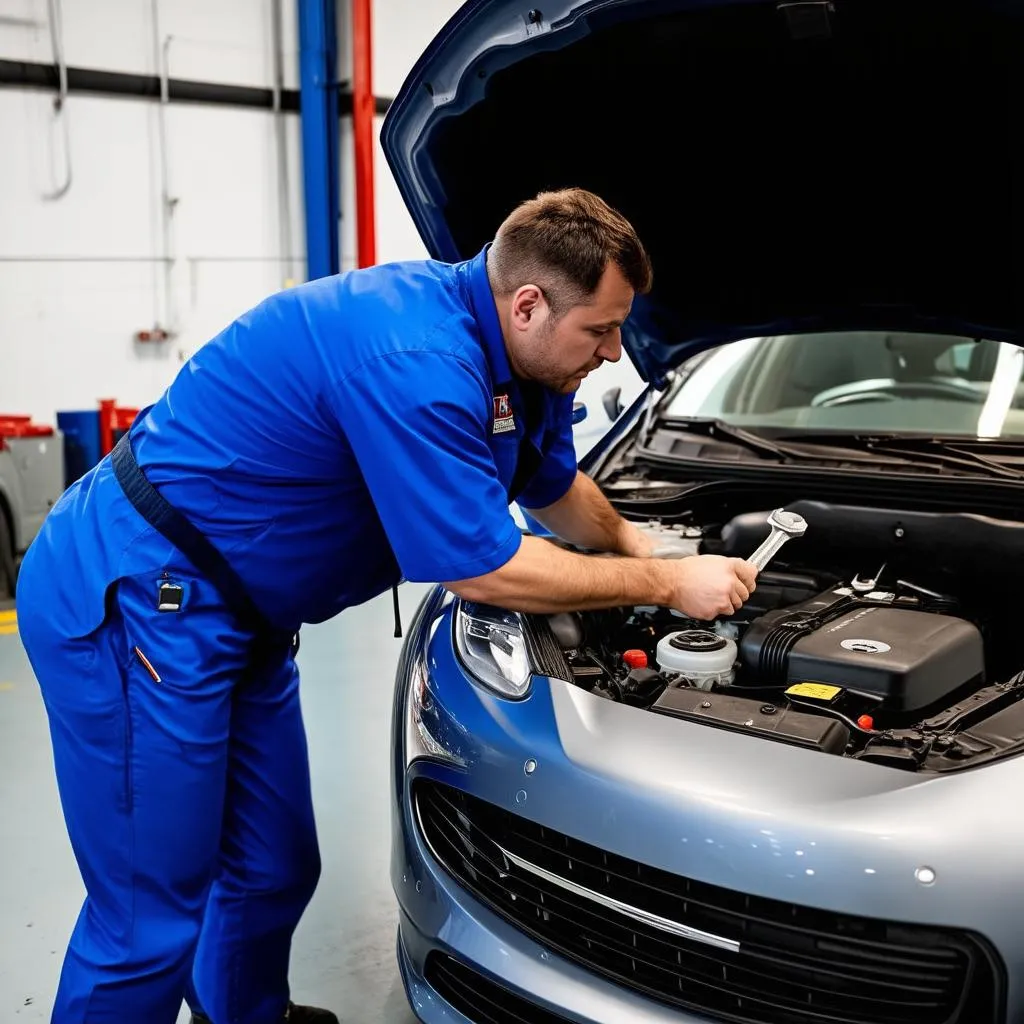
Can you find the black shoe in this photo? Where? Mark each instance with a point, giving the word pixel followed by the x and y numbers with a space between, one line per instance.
pixel 309 1015
pixel 293 1015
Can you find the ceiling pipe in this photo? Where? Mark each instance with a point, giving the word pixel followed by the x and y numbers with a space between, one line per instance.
pixel 363 109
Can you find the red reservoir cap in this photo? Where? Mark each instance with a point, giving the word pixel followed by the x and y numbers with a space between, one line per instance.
pixel 635 658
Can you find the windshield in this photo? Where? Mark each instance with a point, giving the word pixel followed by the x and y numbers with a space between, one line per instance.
pixel 858 381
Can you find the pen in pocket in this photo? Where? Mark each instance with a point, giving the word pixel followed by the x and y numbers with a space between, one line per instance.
pixel 147 665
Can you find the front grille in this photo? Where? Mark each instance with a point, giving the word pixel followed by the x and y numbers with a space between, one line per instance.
pixel 479 998
pixel 795 965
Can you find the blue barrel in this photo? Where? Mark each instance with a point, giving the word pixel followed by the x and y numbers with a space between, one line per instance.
pixel 81 432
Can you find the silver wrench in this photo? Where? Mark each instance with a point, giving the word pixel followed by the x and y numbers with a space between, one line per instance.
pixel 784 526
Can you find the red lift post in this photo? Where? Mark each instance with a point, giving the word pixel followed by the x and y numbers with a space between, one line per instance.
pixel 114 420
pixel 363 110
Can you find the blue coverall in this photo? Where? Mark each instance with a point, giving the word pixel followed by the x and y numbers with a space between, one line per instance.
pixel 340 436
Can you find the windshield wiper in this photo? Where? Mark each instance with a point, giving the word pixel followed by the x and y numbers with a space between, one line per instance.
pixel 943 451
pixel 890 451
pixel 780 449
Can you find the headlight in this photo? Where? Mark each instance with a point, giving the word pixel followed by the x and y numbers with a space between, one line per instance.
pixel 493 649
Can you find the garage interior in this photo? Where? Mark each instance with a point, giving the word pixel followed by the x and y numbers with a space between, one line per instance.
pixel 167 164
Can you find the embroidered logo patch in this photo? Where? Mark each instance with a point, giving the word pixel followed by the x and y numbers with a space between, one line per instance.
pixel 504 421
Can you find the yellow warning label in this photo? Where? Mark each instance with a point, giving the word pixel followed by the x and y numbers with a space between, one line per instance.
pixel 816 691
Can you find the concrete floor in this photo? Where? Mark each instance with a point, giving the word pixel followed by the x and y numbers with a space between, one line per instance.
pixel 344 952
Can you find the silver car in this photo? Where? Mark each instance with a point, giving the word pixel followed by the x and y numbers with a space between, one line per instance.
pixel 803 813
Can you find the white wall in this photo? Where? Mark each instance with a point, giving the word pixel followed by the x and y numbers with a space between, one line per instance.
pixel 80 275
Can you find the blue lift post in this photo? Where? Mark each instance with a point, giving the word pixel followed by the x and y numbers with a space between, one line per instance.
pixel 321 172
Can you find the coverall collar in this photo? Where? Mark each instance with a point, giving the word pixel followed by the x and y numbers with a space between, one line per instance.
pixel 485 312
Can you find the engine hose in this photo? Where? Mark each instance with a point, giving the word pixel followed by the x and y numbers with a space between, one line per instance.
pixel 835 714
pixel 599 662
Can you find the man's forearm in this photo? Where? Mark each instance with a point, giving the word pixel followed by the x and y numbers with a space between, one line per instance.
pixel 542 578
pixel 584 517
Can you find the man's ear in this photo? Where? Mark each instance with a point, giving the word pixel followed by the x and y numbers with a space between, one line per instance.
pixel 528 303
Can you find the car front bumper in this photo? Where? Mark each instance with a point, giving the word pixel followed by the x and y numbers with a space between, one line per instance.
pixel 751 816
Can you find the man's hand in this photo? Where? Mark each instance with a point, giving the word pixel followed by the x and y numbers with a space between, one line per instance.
pixel 710 585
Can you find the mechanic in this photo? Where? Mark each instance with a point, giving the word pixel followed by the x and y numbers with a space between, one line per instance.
pixel 338 437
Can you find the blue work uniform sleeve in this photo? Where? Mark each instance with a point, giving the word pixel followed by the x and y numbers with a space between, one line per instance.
pixel 558 470
pixel 417 424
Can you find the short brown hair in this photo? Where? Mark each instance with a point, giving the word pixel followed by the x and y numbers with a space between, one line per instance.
pixel 562 242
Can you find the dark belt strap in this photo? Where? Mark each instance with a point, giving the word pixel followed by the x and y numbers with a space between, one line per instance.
pixel 171 524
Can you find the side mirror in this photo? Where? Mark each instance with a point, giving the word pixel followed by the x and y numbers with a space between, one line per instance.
pixel 612 406
pixel 579 412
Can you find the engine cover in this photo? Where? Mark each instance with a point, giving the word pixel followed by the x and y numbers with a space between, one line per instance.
pixel 909 657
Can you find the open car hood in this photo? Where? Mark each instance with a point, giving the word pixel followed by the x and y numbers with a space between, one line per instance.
pixel 791 166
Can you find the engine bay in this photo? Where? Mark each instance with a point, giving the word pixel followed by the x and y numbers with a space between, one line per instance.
pixel 875 666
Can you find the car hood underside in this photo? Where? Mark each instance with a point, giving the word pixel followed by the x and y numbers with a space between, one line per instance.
pixel 791 166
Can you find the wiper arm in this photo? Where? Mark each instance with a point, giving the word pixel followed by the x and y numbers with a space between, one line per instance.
pixel 787 449
pixel 956 452
pixel 952 457
pixel 891 451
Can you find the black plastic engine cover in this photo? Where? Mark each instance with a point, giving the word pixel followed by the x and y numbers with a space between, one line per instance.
pixel 909 657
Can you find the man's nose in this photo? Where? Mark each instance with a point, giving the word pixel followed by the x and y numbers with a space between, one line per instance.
pixel 610 349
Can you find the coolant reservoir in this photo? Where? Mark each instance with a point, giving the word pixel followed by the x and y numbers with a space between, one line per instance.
pixel 702 657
